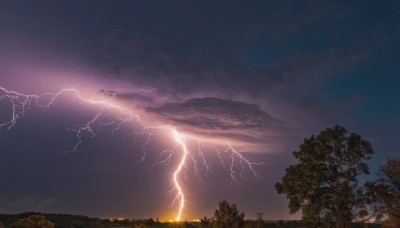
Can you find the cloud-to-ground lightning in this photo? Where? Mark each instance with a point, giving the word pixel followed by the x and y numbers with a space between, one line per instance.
pixel 20 103
pixel 180 140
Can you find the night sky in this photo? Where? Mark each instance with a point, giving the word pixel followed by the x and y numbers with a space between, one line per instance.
pixel 257 75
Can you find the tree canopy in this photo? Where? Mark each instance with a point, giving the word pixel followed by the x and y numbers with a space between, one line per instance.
pixel 227 215
pixel 323 184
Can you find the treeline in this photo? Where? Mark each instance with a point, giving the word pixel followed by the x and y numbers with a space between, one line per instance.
pixel 226 216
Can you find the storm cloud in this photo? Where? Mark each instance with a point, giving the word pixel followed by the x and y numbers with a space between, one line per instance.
pixel 222 119
pixel 217 114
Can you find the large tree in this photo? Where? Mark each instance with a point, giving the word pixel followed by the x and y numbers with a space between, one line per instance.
pixel 323 184
pixel 386 191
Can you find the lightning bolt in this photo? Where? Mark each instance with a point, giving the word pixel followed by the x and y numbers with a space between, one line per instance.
pixel 180 140
pixel 20 103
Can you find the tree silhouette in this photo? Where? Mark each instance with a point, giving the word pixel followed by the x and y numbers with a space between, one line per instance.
pixel 386 191
pixel 227 215
pixel 259 223
pixel 205 222
pixel 324 185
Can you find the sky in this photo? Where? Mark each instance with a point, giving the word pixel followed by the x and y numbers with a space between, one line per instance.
pixel 252 77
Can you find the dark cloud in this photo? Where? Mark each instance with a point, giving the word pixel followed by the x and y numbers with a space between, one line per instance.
pixel 217 113
pixel 220 117
pixel 131 94
pixel 196 71
pixel 225 47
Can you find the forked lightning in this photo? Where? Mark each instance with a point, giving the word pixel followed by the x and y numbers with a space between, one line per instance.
pixel 19 104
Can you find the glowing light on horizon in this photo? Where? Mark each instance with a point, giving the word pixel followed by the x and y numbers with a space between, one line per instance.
pixel 20 103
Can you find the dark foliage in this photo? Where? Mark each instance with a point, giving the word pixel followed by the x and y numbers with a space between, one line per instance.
pixel 386 192
pixel 74 221
pixel 324 184
pixel 227 215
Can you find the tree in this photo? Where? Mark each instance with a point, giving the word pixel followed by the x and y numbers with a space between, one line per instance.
pixel 227 215
pixel 205 222
pixel 34 221
pixel 324 185
pixel 386 191
pixel 259 220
